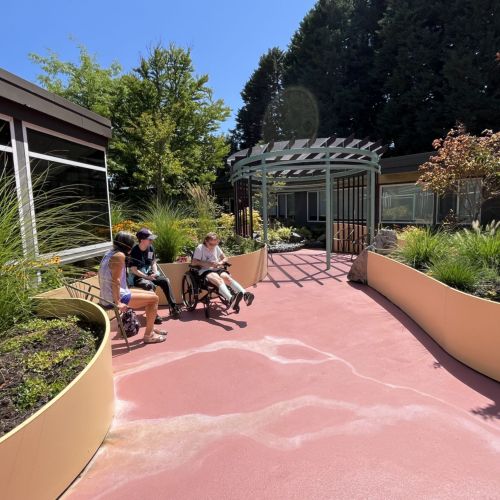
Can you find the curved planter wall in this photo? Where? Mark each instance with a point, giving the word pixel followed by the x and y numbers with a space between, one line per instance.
pixel 247 269
pixel 41 457
pixel 467 327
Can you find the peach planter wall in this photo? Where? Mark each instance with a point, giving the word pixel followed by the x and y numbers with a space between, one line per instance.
pixel 247 269
pixel 467 327
pixel 41 457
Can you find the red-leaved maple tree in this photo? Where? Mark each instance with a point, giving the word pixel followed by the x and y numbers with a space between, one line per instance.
pixel 460 156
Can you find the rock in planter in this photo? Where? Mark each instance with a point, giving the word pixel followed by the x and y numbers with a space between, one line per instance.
pixel 385 241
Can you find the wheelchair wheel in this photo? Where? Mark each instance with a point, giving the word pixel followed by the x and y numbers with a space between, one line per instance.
pixel 189 292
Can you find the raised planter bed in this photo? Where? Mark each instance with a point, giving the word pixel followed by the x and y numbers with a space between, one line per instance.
pixel 248 269
pixel 467 327
pixel 41 457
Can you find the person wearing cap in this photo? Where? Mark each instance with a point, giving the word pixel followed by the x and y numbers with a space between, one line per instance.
pixel 210 259
pixel 144 270
pixel 114 289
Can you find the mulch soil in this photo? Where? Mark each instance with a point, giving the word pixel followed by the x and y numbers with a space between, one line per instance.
pixel 37 363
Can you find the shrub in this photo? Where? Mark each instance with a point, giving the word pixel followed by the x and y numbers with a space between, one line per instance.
pixel 422 247
pixel 456 273
pixel 225 226
pixel 119 213
pixel 488 285
pixel 165 220
pixel 203 208
pixel 305 232
pixel 277 233
pixel 236 245
pixel 478 246
pixel 126 225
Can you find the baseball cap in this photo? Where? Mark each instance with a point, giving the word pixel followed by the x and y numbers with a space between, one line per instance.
pixel 145 234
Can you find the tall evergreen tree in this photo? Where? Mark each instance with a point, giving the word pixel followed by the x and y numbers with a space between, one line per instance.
pixel 331 55
pixel 259 117
pixel 437 62
pixel 472 76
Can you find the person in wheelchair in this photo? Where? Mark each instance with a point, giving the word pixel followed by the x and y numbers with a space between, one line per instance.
pixel 143 271
pixel 212 264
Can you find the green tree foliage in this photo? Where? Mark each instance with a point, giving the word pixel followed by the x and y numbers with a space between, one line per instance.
pixel 168 122
pixel 165 119
pixel 404 71
pixel 259 117
pixel 85 83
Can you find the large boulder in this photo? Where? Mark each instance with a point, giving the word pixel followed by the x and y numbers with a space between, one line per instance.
pixel 384 242
pixel 385 239
pixel 359 268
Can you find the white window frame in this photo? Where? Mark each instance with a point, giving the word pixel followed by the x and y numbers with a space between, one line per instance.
pixel 317 191
pixel 434 207
pixel 286 194
pixel 66 255
pixel 13 150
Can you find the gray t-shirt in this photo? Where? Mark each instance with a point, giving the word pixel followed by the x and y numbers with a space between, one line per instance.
pixel 206 254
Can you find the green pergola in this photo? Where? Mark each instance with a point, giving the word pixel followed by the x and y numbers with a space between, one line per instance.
pixel 302 164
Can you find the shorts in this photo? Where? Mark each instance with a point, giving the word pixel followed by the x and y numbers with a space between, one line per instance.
pixel 125 298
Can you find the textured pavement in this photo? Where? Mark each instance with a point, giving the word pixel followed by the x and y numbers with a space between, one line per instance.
pixel 320 390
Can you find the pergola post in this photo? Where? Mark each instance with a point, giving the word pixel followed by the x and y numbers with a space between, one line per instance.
pixel 368 205
pixel 250 210
pixel 370 195
pixel 328 210
pixel 264 203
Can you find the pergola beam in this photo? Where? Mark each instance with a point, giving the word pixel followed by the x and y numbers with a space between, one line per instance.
pixel 306 163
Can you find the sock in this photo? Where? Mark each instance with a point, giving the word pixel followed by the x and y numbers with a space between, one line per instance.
pixel 236 286
pixel 224 291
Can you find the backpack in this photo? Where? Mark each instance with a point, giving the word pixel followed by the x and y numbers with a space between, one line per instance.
pixel 130 323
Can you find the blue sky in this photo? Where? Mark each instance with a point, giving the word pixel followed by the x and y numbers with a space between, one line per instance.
pixel 226 37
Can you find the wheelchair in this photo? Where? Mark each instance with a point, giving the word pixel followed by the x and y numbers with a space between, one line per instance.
pixel 196 289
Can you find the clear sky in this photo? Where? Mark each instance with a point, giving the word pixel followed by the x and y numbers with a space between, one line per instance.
pixel 226 37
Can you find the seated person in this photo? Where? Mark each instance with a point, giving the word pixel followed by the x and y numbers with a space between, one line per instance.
pixel 113 285
pixel 144 270
pixel 211 259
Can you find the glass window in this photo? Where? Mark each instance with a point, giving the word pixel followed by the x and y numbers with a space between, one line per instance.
pixel 50 145
pixel 6 164
pixel 312 206
pixel 282 206
pixel 5 133
pixel 322 205
pixel 290 205
pixel 406 203
pixel 469 200
pixel 56 184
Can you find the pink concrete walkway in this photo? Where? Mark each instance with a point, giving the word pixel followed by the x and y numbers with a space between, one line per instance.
pixel 320 390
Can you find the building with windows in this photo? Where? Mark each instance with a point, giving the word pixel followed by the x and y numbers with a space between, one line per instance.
pixel 49 144
pixel 399 201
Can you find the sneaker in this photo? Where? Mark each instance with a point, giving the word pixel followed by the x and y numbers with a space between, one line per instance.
pixel 175 311
pixel 158 320
pixel 248 297
pixel 235 301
